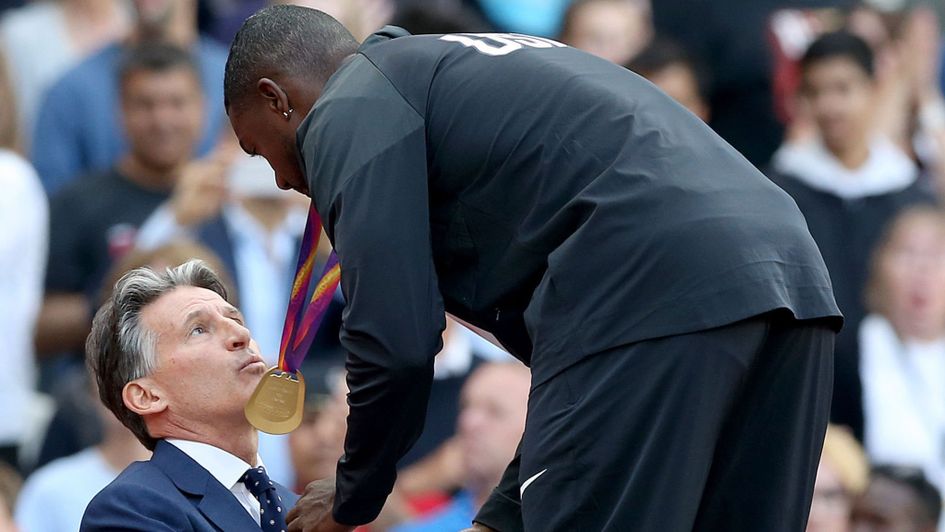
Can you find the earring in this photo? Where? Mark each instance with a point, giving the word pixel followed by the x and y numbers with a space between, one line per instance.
pixel 287 113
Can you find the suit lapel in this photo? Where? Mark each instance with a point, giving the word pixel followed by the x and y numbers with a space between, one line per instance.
pixel 211 498
pixel 223 510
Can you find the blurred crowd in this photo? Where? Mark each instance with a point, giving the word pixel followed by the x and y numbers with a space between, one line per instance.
pixel 115 152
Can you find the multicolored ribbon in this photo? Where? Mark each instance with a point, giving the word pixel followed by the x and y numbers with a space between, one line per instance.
pixel 297 335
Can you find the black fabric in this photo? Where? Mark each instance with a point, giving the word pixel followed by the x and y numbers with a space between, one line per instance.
pixel 92 222
pixel 716 430
pixel 847 231
pixel 442 415
pixel 545 195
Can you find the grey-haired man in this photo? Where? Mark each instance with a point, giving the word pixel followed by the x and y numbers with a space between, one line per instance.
pixel 176 365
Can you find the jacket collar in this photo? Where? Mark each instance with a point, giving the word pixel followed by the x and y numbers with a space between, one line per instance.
pixel 211 498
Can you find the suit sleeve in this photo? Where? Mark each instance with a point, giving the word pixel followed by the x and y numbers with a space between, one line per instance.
pixel 365 154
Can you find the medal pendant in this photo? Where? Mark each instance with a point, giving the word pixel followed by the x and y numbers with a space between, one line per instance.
pixel 276 405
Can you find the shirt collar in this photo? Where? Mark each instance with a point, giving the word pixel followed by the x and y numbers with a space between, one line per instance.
pixel 887 169
pixel 223 466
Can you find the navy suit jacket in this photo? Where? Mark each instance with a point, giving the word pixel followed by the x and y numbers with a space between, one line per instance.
pixel 169 492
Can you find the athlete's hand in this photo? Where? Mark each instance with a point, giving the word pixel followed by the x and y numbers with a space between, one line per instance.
pixel 312 513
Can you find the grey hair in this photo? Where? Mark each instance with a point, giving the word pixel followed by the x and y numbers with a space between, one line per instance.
pixel 121 349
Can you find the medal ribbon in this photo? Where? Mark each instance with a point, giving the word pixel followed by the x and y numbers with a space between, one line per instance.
pixel 297 335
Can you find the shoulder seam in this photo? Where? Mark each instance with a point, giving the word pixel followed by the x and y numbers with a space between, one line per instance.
pixel 402 97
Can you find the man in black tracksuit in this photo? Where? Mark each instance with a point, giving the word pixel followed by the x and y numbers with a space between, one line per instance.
pixel 674 310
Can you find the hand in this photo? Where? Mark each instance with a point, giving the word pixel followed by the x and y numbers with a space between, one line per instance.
pixel 476 527
pixel 200 191
pixel 313 511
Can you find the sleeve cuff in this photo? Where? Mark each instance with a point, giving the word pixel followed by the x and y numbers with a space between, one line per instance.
pixel 501 513
pixel 356 512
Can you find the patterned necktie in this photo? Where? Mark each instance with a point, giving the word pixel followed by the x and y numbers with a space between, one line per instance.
pixel 271 510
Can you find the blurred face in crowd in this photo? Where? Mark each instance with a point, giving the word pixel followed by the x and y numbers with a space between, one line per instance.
pixel 911 277
pixel 840 97
pixel 888 506
pixel 207 365
pixel 680 83
pixel 613 29
pixel 831 505
pixel 163 116
pixel 491 420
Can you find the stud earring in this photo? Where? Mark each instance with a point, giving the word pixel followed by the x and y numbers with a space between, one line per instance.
pixel 287 113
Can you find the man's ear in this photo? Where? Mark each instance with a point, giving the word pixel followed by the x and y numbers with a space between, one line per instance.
pixel 142 397
pixel 276 98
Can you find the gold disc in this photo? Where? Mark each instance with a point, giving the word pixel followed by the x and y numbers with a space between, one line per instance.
pixel 277 403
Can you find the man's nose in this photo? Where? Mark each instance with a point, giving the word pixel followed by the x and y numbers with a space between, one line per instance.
pixel 238 337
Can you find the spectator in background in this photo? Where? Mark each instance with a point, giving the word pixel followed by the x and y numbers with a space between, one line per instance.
pixel 910 108
pixel 616 30
pixel 491 422
pixel 898 499
pixel 10 482
pixel 841 477
pixel 68 484
pixel 670 67
pixel 45 38
pixel 902 345
pixel 94 220
pixel 79 126
pixel 24 235
pixel 849 183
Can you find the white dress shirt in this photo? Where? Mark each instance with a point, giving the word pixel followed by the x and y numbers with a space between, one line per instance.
pixel 226 468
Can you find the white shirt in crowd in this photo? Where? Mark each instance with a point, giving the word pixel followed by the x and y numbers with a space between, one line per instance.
pixel 903 399
pixel 887 169
pixel 55 496
pixel 24 237
pixel 224 467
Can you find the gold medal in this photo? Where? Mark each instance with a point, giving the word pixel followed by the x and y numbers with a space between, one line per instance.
pixel 276 405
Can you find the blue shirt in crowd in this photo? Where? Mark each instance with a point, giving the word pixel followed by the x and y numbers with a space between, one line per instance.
pixel 79 129
pixel 457 515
